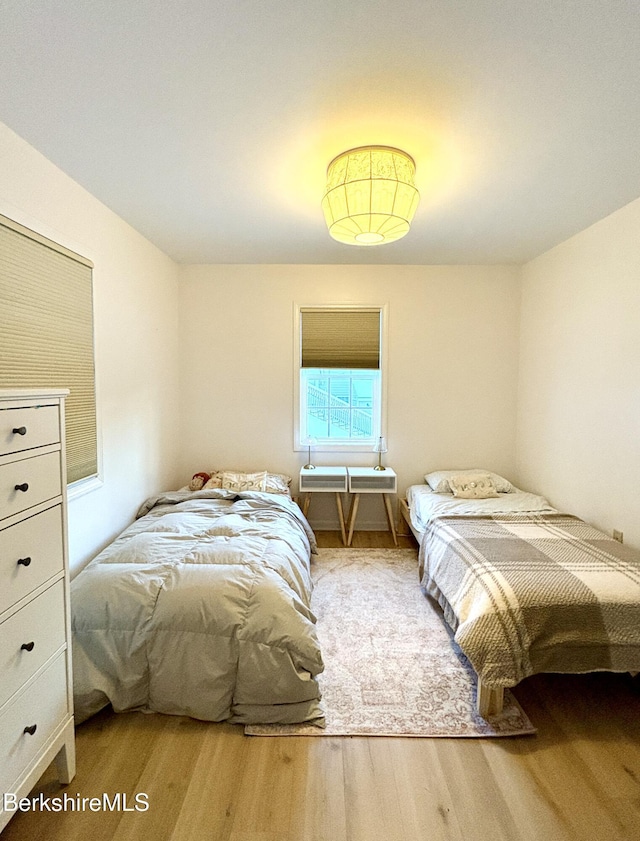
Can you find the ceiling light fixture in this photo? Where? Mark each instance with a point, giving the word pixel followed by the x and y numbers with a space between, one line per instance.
pixel 371 196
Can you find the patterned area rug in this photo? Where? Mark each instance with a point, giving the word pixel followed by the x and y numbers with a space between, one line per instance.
pixel 392 667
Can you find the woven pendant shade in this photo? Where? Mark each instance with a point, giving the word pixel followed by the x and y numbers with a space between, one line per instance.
pixel 371 196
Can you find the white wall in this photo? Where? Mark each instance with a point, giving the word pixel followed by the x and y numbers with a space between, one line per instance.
pixel 452 378
pixel 578 434
pixel 136 333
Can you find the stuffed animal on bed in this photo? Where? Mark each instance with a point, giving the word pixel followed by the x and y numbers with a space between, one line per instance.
pixel 198 481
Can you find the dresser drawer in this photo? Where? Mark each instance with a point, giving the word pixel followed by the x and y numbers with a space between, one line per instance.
pixel 39 480
pixel 43 704
pixel 28 427
pixel 37 542
pixel 29 638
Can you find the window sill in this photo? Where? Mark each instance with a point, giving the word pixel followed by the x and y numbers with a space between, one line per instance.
pixel 335 448
pixel 83 486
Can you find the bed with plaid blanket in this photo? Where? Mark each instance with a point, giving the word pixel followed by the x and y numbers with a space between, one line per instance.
pixel 528 593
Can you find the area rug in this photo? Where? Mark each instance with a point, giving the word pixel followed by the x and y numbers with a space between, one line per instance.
pixel 392 667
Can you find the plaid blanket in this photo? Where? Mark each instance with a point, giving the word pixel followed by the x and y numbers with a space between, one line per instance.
pixel 528 593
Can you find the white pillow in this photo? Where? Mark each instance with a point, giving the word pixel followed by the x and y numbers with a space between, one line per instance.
pixel 244 481
pixel 472 486
pixel 277 483
pixel 438 481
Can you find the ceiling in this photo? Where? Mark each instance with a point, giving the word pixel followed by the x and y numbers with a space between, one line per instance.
pixel 208 124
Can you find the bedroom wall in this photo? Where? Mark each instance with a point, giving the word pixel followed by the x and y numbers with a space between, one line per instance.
pixel 452 377
pixel 136 333
pixel 578 432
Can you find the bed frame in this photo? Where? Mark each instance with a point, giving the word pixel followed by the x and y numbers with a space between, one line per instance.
pixel 403 505
pixel 488 701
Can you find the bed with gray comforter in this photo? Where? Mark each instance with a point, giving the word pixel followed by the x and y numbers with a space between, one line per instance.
pixel 201 608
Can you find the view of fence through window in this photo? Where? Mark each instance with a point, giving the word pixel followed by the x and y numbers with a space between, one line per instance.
pixel 340 404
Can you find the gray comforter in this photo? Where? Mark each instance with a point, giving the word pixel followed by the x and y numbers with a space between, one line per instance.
pixel 201 608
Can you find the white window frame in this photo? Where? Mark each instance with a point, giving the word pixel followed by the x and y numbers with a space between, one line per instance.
pixel 338 446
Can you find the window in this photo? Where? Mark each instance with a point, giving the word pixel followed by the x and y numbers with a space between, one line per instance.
pixel 46 332
pixel 340 405
pixel 340 376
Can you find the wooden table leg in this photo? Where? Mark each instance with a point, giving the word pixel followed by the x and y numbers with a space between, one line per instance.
pixel 341 518
pixel 389 510
pixel 305 504
pixel 353 513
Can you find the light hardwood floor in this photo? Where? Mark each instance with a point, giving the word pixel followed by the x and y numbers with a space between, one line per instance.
pixel 578 779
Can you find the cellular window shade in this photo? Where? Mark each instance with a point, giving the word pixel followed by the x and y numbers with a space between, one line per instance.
pixel 46 332
pixel 340 338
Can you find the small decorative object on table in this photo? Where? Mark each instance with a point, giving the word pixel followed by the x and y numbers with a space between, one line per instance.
pixel 311 442
pixel 380 447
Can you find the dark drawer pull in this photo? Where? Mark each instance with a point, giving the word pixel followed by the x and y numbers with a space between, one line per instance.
pixel 30 730
pixel 19 430
pixel 27 646
pixel 24 562
pixel 24 487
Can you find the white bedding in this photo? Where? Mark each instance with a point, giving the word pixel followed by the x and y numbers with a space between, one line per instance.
pixel 424 504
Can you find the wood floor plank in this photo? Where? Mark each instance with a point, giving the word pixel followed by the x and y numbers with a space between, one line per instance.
pixel 425 808
pixel 480 803
pixel 369 792
pixel 324 811
pixel 272 788
pixel 209 805
pixel 365 540
pixel 169 767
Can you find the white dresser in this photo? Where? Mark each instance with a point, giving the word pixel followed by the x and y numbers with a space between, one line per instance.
pixel 36 698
